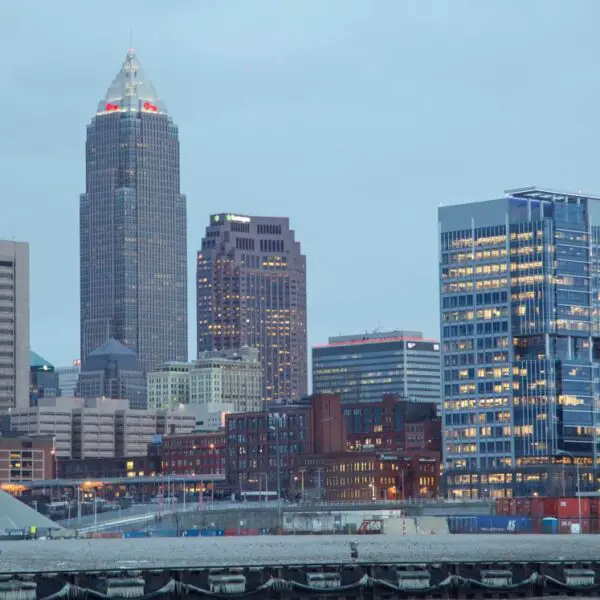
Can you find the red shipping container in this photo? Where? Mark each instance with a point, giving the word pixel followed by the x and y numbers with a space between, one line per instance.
pixel 503 507
pixel 565 525
pixel 594 506
pixel 537 508
pixel 569 508
pixel 549 507
pixel 522 507
pixel 512 511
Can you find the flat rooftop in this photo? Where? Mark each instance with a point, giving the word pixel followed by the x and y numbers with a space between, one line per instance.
pixel 184 553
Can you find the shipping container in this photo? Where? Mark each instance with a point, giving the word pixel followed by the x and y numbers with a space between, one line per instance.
pixel 549 507
pixel 191 532
pixel 569 508
pixel 490 524
pixel 522 507
pixel 163 533
pixel 573 526
pixel 212 532
pixel 503 507
pixel 136 534
pixel 537 508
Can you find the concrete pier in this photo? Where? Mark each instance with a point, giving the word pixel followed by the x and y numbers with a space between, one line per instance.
pixel 285 567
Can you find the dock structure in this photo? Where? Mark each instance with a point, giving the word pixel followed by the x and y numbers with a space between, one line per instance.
pixel 286 567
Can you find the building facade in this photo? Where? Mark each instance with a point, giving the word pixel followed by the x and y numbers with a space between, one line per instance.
pixel 393 423
pixel 14 325
pixel 251 291
pixel 133 225
pixel 520 299
pixel 368 476
pixel 68 378
pixel 259 444
pixel 364 368
pixel 194 453
pixel 97 427
pixel 113 371
pixel 169 385
pixel 24 458
pixel 217 383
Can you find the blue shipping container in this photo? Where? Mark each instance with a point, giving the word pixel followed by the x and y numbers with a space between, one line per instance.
pixel 212 532
pixel 191 533
pixel 163 533
pixel 489 524
pixel 136 534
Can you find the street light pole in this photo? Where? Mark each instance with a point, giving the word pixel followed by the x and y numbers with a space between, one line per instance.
pixel 567 453
pixel 275 430
pixel 95 507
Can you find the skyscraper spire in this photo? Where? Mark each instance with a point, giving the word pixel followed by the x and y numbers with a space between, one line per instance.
pixel 133 225
pixel 131 89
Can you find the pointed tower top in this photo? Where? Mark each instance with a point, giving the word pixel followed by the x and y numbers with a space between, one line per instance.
pixel 131 90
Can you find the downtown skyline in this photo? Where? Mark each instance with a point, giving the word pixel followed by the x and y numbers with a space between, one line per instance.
pixel 267 132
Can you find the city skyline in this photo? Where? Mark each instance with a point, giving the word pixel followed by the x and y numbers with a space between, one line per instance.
pixel 322 124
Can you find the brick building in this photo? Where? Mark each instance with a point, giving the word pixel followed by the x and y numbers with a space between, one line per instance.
pixel 315 426
pixel 323 430
pixel 392 424
pixel 356 476
pixel 194 453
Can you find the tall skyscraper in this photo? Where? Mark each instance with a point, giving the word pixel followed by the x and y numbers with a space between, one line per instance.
pixel 365 368
pixel 251 291
pixel 520 300
pixel 14 325
pixel 133 225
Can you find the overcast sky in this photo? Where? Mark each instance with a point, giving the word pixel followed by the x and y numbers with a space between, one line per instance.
pixel 356 119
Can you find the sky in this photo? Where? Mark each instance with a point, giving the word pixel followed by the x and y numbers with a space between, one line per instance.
pixel 355 118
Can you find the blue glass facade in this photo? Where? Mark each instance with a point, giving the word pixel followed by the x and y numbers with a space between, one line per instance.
pixel 366 368
pixel 519 294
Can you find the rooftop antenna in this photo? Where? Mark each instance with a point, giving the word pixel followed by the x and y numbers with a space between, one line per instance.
pixel 130 38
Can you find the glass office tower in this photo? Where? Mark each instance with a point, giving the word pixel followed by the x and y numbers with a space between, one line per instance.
pixel 520 299
pixel 368 366
pixel 133 225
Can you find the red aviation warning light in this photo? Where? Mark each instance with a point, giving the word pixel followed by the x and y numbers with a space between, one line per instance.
pixel 151 107
pixel 110 107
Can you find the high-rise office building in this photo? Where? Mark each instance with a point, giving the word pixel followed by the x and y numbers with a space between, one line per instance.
pixel 520 300
pixel 133 225
pixel 366 367
pixel 14 325
pixel 251 291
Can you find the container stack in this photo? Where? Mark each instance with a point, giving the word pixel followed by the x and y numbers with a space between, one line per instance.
pixel 554 515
